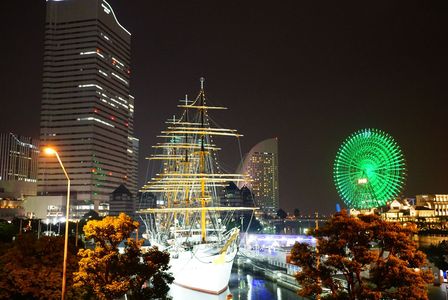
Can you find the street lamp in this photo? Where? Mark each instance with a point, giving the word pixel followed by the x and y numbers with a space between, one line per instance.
pixel 51 151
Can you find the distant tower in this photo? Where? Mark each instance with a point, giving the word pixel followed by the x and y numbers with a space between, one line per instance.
pixel 261 164
pixel 87 110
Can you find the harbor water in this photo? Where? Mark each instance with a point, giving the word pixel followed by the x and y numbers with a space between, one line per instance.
pixel 242 286
pixel 247 286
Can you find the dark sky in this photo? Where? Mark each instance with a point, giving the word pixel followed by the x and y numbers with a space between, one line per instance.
pixel 307 72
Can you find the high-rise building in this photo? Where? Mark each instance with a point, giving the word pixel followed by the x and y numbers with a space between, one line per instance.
pixel 133 164
pixel 261 164
pixel 18 165
pixel 87 111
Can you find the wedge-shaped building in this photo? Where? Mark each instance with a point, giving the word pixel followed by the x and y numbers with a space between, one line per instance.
pixel 261 164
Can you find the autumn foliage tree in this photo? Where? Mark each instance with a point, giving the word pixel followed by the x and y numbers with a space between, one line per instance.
pixel 31 268
pixel 7 231
pixel 110 274
pixel 362 258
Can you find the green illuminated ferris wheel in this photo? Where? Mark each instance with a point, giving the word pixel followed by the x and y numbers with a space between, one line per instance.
pixel 369 169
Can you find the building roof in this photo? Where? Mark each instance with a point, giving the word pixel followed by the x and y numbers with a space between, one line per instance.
pixel 422 208
pixel 121 190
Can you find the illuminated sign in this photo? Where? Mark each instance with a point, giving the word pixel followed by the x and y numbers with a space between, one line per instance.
pixel 362 180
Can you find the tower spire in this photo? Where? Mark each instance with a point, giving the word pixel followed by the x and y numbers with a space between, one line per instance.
pixel 202 79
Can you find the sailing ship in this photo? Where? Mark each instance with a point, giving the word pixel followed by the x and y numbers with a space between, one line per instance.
pixel 190 224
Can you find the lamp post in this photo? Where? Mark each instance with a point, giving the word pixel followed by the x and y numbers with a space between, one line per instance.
pixel 51 151
pixel 319 282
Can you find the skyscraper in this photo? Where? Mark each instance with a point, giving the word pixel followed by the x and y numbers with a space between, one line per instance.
pixel 261 164
pixel 18 165
pixel 87 111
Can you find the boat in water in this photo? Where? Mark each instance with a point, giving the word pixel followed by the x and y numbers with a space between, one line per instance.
pixel 188 221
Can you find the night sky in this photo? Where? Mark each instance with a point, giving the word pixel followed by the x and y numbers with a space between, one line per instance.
pixel 308 72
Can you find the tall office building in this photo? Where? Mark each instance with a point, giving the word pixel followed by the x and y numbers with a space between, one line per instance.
pixel 261 164
pixel 18 165
pixel 133 164
pixel 87 110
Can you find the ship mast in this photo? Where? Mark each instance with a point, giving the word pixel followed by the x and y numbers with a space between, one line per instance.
pixel 202 164
pixel 187 190
pixel 187 177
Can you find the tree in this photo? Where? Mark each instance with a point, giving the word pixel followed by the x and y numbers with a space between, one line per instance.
pixel 438 254
pixel 296 212
pixel 32 269
pixel 7 232
pixel 281 214
pixel 91 215
pixel 110 273
pixel 377 260
pixel 88 216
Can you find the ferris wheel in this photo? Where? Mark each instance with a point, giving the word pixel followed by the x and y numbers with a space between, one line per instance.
pixel 369 169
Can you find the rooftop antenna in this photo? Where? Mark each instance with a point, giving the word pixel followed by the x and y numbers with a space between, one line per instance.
pixel 202 79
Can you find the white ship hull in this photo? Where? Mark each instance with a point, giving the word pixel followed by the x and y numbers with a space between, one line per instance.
pixel 202 269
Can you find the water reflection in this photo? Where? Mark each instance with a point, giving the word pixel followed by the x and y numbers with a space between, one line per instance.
pixel 245 286
pixel 427 240
pixel 242 286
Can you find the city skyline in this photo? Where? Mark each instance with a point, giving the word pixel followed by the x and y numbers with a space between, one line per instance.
pixel 306 74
